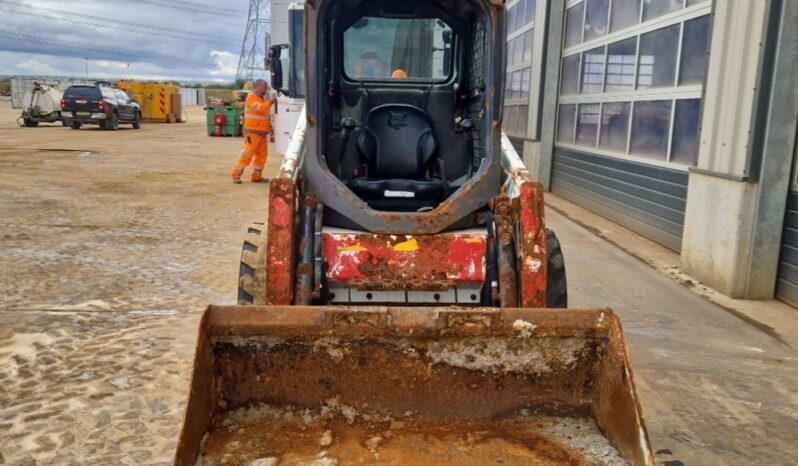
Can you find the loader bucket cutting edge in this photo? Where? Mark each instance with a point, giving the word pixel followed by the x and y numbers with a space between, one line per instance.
pixel 380 385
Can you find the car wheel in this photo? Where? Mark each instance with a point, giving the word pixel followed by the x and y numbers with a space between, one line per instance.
pixel 75 125
pixel 112 122
pixel 137 121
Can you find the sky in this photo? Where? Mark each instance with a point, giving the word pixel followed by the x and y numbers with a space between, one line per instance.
pixel 180 40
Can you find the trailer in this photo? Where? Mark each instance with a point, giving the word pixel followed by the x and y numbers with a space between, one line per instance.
pixel 41 104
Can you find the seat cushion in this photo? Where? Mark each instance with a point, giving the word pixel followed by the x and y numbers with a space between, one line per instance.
pixel 397 141
pixel 399 195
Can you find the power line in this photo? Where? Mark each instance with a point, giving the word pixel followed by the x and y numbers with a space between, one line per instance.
pixel 252 57
pixel 16 4
pixel 193 7
pixel 204 5
pixel 111 25
pixel 108 50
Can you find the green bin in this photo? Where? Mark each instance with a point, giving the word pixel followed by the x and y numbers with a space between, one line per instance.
pixel 232 125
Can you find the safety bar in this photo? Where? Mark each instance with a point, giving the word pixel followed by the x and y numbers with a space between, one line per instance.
pixel 512 164
pixel 296 149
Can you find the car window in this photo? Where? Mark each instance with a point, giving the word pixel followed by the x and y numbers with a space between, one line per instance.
pixel 108 93
pixel 392 48
pixel 121 96
pixel 82 91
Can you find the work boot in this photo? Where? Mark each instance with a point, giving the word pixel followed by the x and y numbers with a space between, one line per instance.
pixel 258 178
pixel 236 176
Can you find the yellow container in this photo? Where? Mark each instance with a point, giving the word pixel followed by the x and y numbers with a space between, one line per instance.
pixel 135 90
pixel 155 99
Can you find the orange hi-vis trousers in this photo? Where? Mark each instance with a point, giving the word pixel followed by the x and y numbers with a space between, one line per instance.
pixel 255 146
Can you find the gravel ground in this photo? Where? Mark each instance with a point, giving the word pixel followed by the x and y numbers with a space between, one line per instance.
pixel 112 244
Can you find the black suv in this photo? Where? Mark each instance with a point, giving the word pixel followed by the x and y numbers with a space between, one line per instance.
pixel 99 105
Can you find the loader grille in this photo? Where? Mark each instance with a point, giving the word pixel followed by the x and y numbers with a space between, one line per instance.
pixel 476 88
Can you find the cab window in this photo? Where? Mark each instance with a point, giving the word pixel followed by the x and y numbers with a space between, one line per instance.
pixel 121 97
pixel 390 48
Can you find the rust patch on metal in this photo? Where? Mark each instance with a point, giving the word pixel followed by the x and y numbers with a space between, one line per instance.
pixel 504 219
pixel 282 435
pixel 532 264
pixel 378 366
pixel 280 241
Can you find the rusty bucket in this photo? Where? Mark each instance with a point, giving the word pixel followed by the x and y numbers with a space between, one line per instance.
pixel 436 386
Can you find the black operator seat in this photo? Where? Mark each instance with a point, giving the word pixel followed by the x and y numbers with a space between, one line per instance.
pixel 398 147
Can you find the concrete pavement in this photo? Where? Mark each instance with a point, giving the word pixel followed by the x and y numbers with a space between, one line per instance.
pixel 716 389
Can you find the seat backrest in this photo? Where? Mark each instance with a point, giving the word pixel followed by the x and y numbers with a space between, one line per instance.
pixel 397 141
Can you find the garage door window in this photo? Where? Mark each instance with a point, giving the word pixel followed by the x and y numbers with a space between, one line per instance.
pixel 632 76
pixel 522 77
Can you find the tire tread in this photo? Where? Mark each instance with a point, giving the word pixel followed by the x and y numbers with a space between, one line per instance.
pixel 557 285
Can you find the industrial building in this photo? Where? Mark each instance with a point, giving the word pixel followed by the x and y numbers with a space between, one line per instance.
pixel 673 118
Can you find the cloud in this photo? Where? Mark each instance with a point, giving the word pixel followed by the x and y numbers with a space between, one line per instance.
pixel 226 64
pixel 32 66
pixel 153 40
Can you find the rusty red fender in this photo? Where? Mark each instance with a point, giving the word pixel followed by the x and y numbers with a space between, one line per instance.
pixel 280 245
pixel 378 261
pixel 532 251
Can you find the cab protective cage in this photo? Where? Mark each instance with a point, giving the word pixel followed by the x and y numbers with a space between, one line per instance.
pixel 475 84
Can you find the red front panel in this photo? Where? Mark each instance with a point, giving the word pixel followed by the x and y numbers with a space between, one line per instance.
pixel 405 261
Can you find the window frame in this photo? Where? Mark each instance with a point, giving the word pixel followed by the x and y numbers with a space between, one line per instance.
pixel 671 93
pixel 532 100
pixel 409 80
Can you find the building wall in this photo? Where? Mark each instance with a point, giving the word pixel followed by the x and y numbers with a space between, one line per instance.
pixel 678 119
pixel 525 34
pixel 631 77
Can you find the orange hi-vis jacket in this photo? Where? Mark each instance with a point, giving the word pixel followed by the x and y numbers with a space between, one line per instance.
pixel 257 115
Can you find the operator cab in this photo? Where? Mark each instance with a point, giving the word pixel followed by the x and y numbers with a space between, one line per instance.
pixel 405 102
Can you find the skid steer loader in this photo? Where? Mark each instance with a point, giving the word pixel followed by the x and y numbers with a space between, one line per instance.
pixel 401 303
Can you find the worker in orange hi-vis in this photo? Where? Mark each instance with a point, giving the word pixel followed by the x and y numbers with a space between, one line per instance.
pixel 257 126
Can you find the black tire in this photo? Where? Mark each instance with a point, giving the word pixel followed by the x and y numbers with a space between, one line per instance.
pixel 112 123
pixel 31 123
pixel 557 287
pixel 252 271
pixel 75 125
pixel 137 121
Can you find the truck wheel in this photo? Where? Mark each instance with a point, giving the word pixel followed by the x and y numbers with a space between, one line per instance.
pixel 557 287
pixel 137 121
pixel 252 272
pixel 75 125
pixel 112 123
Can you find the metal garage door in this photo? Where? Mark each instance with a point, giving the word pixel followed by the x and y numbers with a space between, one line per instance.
pixel 787 282
pixel 518 144
pixel 647 199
